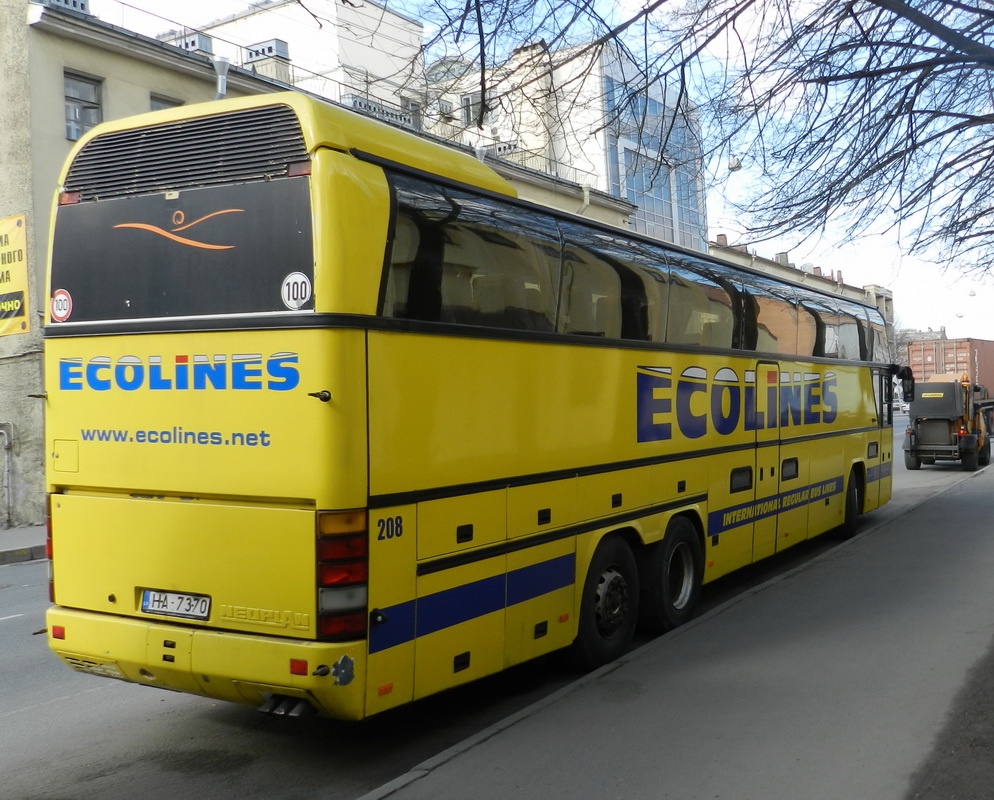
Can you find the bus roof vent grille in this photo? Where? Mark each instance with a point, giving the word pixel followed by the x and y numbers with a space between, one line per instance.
pixel 255 144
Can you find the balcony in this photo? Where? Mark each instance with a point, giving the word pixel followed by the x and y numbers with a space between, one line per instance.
pixel 542 163
pixel 387 113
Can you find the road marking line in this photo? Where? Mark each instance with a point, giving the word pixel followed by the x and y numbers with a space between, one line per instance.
pixel 12 616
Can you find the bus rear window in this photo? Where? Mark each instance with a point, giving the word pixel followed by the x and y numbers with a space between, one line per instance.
pixel 230 249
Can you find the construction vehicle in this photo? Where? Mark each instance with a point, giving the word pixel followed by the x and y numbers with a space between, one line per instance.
pixel 949 419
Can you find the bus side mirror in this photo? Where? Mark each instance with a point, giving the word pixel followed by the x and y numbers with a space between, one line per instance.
pixel 907 379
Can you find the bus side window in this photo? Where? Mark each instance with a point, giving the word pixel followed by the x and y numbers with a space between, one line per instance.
pixel 516 279
pixel 644 276
pixel 879 344
pixel 657 288
pixel 402 252
pixel 591 301
pixel 832 320
pixel 852 332
pixel 807 332
pixel 701 310
pixel 775 317
pixel 451 261
pixel 826 321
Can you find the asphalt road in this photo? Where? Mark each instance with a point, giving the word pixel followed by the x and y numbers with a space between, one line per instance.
pixel 65 735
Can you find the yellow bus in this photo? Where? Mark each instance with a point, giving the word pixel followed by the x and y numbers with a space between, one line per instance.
pixel 336 422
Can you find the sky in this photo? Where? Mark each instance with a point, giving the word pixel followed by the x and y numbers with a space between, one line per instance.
pixel 151 17
pixel 925 296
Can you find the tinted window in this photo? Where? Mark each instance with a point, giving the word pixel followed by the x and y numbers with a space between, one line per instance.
pixel 770 316
pixel 591 302
pixel 456 257
pixel 701 304
pixel 639 274
pixel 823 321
pixel 462 258
pixel 880 345
pixel 853 339
pixel 223 250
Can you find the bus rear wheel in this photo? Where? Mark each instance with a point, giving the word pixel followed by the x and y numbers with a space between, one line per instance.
pixel 911 462
pixel 854 505
pixel 673 574
pixel 609 605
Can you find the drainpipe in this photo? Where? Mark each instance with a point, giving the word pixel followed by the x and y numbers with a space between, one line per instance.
pixel 586 200
pixel 6 441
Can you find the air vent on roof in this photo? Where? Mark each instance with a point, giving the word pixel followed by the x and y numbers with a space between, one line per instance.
pixel 270 59
pixel 194 43
pixel 274 48
pixel 81 6
pixel 256 144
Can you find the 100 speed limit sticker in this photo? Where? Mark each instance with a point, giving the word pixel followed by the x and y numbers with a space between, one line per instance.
pixel 296 290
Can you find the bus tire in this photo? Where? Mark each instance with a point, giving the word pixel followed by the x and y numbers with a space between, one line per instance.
pixel 608 606
pixel 854 505
pixel 911 462
pixel 672 578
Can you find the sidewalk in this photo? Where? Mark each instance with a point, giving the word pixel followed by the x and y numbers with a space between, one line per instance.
pixel 847 677
pixel 22 544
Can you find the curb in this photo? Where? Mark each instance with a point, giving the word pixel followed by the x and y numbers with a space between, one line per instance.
pixel 21 554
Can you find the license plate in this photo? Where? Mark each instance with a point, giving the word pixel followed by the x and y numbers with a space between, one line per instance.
pixel 176 604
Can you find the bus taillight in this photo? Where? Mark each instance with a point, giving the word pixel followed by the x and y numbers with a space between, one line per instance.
pixel 48 549
pixel 342 574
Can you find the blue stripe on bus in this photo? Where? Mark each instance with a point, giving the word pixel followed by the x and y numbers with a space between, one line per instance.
pixel 879 472
pixel 538 579
pixel 461 604
pixel 397 629
pixel 406 621
pixel 727 518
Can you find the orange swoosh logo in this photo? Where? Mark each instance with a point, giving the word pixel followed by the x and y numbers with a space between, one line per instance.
pixel 180 239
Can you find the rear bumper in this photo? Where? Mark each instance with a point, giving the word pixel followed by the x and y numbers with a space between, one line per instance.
pixel 226 666
pixel 933 451
pixel 946 451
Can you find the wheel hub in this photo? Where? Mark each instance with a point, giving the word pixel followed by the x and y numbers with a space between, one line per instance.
pixel 612 605
pixel 680 572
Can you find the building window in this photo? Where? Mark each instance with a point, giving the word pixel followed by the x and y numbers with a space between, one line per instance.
pixel 157 102
pixel 411 110
pixel 647 181
pixel 471 104
pixel 692 227
pixel 82 105
pixel 613 165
